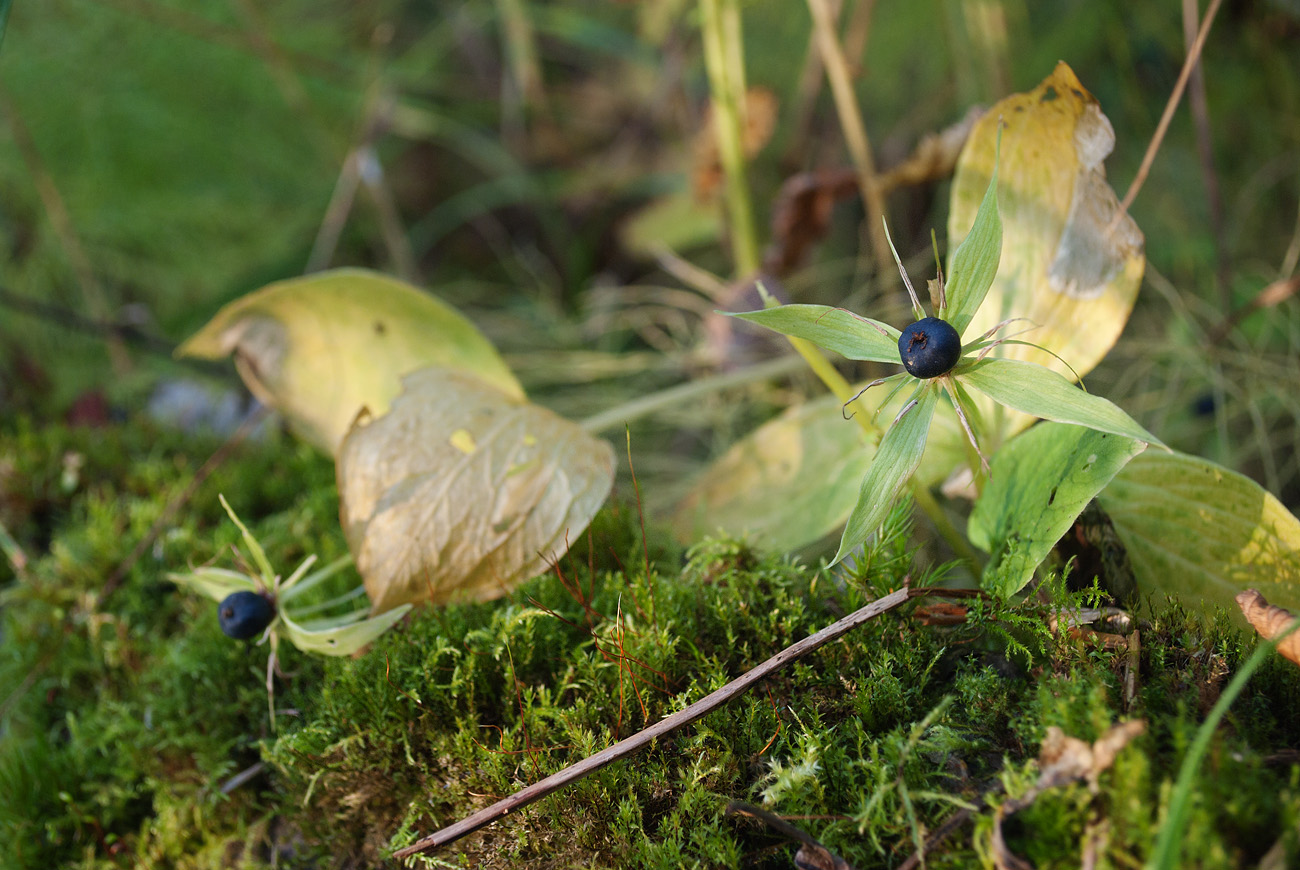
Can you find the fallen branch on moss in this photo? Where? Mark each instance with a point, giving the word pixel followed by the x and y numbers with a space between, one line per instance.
pixel 700 708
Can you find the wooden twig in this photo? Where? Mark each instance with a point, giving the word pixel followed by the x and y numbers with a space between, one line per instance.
pixel 626 747
pixel 132 335
pixel 56 210
pixel 1199 104
pixel 938 835
pixel 1274 294
pixel 1193 55
pixel 853 127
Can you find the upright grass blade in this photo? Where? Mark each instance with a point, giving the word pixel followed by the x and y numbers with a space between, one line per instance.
pixel 896 459
pixel 1167 854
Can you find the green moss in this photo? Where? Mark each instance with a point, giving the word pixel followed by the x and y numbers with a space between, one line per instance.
pixel 124 717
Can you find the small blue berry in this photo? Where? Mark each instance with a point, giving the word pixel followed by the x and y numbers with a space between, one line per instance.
pixel 929 348
pixel 245 615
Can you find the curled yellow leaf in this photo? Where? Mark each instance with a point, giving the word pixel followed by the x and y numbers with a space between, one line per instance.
pixel 1064 269
pixel 320 348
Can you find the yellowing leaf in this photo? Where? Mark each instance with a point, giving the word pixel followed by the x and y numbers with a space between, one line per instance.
pixel 215 583
pixel 786 484
pixel 321 348
pixel 1074 282
pixel 1203 533
pixel 462 491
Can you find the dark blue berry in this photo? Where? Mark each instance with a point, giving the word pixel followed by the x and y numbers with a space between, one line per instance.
pixel 245 615
pixel 929 348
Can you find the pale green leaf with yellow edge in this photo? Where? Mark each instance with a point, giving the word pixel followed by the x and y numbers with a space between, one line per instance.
pixel 837 329
pixel 1041 392
pixel 1038 484
pixel 896 459
pixel 1071 277
pixel 322 347
pixel 461 491
pixel 344 638
pixel 788 483
pixel 1202 533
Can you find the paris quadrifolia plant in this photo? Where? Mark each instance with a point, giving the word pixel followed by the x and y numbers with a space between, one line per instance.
pixel 939 360
pixel 254 603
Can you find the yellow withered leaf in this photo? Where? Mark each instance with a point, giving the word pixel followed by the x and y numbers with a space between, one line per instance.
pixel 461 491
pixel 1064 270
pixel 321 348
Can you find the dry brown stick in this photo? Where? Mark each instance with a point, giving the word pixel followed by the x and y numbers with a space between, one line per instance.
pixel 1274 294
pixel 56 209
pixel 1197 102
pixel 853 128
pixel 804 103
pixel 856 34
pixel 626 747
pixel 336 214
pixel 1193 55
pixel 937 836
pixel 390 221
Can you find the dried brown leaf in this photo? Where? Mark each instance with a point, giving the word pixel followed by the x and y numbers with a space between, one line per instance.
pixel 463 492
pixel 1269 621
pixel 1063 759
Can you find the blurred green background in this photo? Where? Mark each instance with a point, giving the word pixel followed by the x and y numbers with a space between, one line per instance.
pixel 159 158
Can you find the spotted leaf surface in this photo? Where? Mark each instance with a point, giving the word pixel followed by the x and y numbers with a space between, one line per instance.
pixel 462 491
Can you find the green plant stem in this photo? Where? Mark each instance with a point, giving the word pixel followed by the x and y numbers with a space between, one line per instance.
pixel 843 391
pixel 687 392
pixel 1169 842
pixel 724 60
pixel 956 540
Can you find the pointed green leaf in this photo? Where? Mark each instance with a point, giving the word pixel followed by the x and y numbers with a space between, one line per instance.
pixel 215 583
pixel 1039 482
pixel 344 640
pixel 844 332
pixel 1039 391
pixel 974 264
pixel 1201 532
pixel 254 548
pixel 896 459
